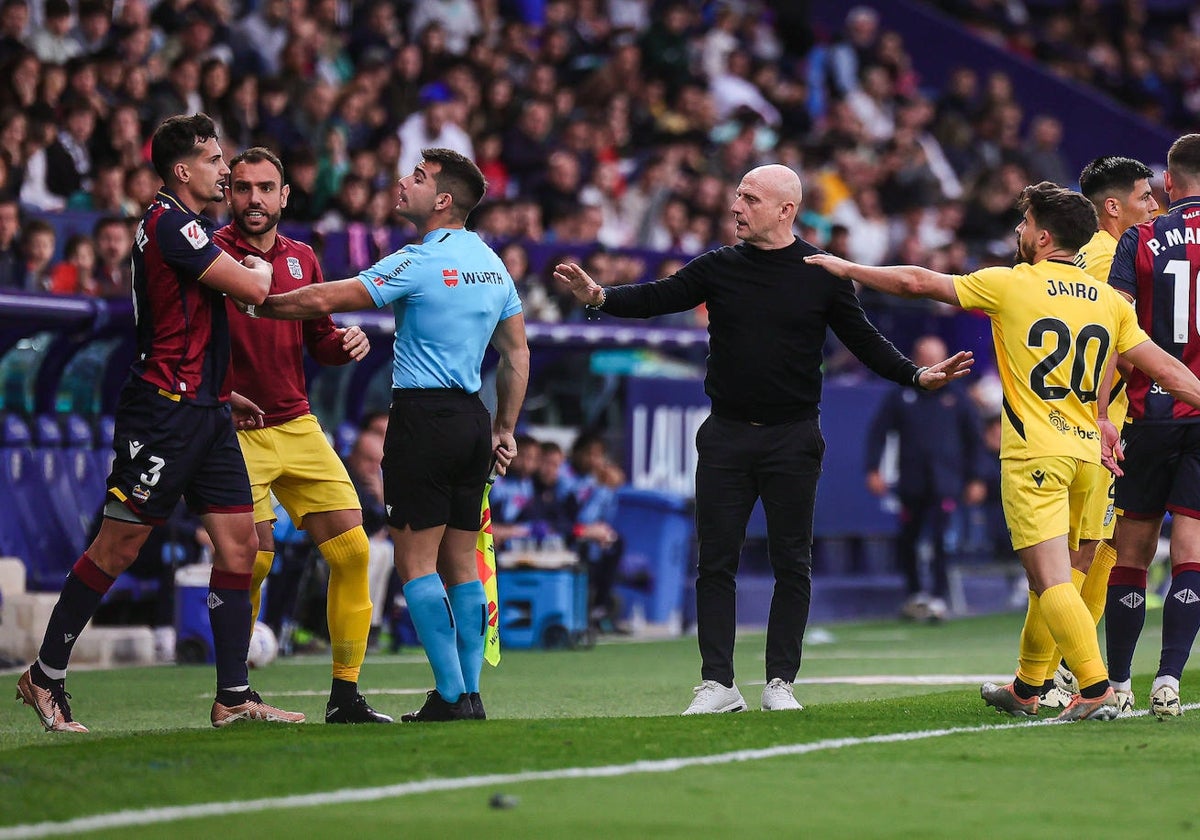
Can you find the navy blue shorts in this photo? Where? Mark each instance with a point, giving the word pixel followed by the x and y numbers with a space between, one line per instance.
pixel 1162 470
pixel 167 448
pixel 436 457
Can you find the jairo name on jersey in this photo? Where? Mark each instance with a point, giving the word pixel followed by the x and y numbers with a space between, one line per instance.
pixel 1055 288
pixel 1174 237
pixel 493 277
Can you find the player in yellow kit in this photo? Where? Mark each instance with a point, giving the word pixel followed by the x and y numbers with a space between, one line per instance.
pixel 1119 189
pixel 1055 330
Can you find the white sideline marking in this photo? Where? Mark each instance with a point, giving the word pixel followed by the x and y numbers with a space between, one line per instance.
pixel 153 816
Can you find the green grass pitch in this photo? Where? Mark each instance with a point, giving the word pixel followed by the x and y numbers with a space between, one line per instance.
pixel 894 742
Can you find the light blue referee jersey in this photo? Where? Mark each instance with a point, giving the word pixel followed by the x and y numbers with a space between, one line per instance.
pixel 448 293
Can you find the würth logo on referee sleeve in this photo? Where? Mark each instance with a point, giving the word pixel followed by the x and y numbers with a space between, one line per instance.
pixel 450 277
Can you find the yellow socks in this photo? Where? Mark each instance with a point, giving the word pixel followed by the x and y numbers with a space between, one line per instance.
pixel 349 601
pixel 262 567
pixel 1036 647
pixel 1072 627
pixel 1095 586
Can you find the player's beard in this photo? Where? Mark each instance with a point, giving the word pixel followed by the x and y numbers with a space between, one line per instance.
pixel 1023 257
pixel 271 221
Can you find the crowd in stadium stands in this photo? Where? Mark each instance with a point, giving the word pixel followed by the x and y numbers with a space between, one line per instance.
pixel 619 123
pixel 1142 54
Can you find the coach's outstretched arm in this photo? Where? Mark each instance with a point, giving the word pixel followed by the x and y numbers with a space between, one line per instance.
pixel 315 300
pixel 902 280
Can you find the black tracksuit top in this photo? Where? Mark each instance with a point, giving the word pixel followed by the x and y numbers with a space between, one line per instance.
pixel 767 312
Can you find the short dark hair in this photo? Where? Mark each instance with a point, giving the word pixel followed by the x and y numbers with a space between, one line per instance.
pixel 459 176
pixel 176 138
pixel 1068 216
pixel 1183 160
pixel 257 154
pixel 1111 176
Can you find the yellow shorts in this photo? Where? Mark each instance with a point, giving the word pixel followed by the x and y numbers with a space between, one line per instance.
pixel 1099 517
pixel 296 463
pixel 1046 497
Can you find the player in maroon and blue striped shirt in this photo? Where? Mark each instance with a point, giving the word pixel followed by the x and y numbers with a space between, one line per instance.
pixel 1157 266
pixel 174 431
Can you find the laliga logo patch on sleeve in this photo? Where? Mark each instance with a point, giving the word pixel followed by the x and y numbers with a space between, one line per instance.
pixel 194 234
pixel 294 268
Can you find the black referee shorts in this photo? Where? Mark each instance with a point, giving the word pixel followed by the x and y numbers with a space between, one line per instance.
pixel 436 457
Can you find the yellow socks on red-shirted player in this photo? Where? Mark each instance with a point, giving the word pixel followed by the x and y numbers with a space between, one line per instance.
pixel 349 602
pixel 1072 627
pixel 263 561
pixel 1036 649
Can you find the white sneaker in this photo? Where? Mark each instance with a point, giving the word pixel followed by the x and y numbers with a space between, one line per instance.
pixel 1124 703
pixel 778 697
pixel 916 608
pixel 1054 698
pixel 1164 702
pixel 1064 679
pixel 712 697
pixel 938 610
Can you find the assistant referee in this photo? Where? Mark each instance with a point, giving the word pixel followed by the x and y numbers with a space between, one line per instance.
pixel 768 313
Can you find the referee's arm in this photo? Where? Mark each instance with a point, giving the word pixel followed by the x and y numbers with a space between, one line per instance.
pixel 512 378
pixel 315 300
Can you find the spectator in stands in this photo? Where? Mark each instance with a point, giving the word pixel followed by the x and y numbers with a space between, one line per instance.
pixel 592 482
pixel 1043 154
pixel 74 275
pixel 458 19
pixel 536 302
pixel 432 126
pixel 14 21
pixel 141 185
pixel 179 93
pixel 512 492
pixel 364 465
pixel 857 48
pixel 54 43
pixel 37 241
pixel 114 246
pixel 940 447
pixel 763 438
pixel 12 262
pixel 95 25
pixel 527 144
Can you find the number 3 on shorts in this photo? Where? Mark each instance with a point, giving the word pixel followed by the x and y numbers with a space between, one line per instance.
pixel 150 477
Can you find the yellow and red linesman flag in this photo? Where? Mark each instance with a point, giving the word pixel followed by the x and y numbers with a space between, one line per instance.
pixel 485 560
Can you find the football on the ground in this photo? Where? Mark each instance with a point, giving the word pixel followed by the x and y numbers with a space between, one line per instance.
pixel 263 646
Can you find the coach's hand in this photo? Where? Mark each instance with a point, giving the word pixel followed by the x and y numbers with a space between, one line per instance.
pixel 946 371
pixel 354 342
pixel 586 290
pixel 246 415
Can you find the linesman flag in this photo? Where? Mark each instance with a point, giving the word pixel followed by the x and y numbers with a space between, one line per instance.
pixel 485 560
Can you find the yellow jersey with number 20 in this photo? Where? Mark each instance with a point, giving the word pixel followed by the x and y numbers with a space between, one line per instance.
pixel 1096 259
pixel 1054 328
